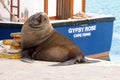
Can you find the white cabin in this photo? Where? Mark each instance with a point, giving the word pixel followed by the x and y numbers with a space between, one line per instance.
pixel 28 7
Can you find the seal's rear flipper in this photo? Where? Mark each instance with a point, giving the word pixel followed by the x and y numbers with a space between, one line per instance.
pixel 76 60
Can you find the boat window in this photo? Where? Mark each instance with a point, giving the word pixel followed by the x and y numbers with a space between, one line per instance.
pixel 56 9
pixel 63 9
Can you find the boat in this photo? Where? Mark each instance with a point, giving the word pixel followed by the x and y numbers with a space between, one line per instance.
pixel 91 32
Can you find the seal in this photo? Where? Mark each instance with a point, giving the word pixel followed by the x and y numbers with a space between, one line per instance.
pixel 40 41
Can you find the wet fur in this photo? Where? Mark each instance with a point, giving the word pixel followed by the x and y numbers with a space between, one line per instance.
pixel 41 42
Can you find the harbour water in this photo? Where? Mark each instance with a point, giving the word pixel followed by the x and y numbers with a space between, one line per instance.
pixel 109 7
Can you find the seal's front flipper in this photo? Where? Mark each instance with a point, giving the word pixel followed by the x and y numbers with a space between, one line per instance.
pixel 27 60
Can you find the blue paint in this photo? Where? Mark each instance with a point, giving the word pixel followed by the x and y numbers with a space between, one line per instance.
pixel 6 29
pixel 99 40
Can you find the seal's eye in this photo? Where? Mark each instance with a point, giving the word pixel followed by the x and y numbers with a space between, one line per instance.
pixel 44 19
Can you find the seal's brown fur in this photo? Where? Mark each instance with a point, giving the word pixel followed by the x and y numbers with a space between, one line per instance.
pixel 41 42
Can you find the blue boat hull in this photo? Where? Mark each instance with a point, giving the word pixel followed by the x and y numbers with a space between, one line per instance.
pixel 92 36
pixel 91 41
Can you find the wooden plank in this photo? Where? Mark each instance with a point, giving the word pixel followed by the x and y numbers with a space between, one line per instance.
pixel 71 8
pixel 83 5
pixel 46 6
pixel 18 11
pixel 11 10
pixel 103 56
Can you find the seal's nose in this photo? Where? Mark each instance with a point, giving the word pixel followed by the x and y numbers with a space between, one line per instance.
pixel 39 18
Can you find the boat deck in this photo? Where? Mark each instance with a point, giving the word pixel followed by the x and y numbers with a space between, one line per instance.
pixel 40 70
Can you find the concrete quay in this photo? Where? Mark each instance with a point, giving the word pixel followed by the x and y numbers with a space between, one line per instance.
pixel 12 69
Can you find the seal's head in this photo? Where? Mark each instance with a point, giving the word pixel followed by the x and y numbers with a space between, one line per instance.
pixel 36 30
pixel 38 20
